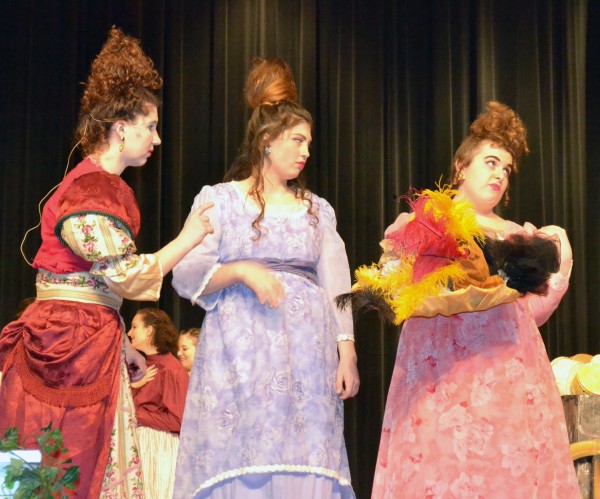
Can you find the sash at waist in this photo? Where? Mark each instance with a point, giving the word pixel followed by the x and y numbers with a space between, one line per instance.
pixel 77 286
pixel 301 268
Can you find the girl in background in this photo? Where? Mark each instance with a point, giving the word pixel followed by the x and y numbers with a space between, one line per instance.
pixel 159 399
pixel 186 347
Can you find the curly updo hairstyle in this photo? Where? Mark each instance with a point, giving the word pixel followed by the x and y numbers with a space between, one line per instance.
pixel 166 336
pixel 121 84
pixel 502 127
pixel 271 93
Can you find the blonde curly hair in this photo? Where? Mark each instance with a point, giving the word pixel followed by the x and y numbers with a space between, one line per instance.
pixel 500 125
pixel 121 84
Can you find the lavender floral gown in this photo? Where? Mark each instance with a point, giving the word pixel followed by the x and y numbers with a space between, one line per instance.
pixel 262 418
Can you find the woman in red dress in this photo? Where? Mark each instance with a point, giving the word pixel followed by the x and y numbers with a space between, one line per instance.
pixel 63 360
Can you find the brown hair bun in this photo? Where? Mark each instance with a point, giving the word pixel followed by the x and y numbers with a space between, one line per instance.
pixel 501 125
pixel 270 81
pixel 119 70
pixel 121 84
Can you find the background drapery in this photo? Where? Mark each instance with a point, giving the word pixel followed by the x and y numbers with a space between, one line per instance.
pixel 392 86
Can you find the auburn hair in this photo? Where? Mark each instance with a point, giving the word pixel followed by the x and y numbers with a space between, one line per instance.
pixel 270 91
pixel 121 85
pixel 193 333
pixel 165 337
pixel 500 125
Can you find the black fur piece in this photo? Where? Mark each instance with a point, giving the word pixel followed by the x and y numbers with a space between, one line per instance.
pixel 526 260
pixel 364 300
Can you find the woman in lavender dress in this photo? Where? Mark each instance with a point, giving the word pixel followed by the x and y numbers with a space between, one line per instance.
pixel 264 413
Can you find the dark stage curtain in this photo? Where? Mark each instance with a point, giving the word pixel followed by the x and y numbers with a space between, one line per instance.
pixel 392 86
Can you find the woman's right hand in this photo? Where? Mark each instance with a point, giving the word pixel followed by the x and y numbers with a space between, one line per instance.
pixel 197 225
pixel 400 221
pixel 195 229
pixel 265 284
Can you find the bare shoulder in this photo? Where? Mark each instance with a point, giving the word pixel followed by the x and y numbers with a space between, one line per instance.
pixel 494 223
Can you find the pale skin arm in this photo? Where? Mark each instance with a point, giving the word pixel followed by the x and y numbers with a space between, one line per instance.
pixel 196 227
pixel 347 379
pixel 270 290
pixel 266 286
pixel 542 307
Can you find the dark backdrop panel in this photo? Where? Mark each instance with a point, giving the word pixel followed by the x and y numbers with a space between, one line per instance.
pixel 392 85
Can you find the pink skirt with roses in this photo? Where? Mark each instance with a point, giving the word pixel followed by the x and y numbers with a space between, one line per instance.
pixel 473 411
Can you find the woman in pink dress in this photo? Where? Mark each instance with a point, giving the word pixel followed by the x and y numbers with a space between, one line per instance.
pixel 63 360
pixel 473 409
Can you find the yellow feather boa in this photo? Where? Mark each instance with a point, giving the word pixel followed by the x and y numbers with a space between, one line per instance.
pixel 392 277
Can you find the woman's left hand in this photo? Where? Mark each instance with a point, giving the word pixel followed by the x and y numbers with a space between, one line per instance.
pixel 148 376
pixel 347 380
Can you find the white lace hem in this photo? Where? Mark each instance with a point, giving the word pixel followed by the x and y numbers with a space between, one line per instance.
pixel 209 275
pixel 345 337
pixel 274 468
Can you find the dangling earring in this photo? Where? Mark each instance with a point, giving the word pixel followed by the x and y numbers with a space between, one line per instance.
pixel 506 197
pixel 122 145
pixel 267 150
pixel 459 176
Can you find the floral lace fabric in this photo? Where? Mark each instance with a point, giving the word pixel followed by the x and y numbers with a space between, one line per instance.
pixel 473 409
pixel 123 477
pixel 261 398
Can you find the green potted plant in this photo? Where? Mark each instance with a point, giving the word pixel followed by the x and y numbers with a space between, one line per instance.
pixel 55 477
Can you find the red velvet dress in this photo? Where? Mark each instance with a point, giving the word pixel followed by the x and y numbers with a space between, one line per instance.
pixel 62 361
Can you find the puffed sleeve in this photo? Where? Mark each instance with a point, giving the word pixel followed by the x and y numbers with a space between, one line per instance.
pixel 192 274
pixel 542 307
pixel 333 269
pixel 106 242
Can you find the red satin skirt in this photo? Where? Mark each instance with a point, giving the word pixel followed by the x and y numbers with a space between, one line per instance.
pixel 60 365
